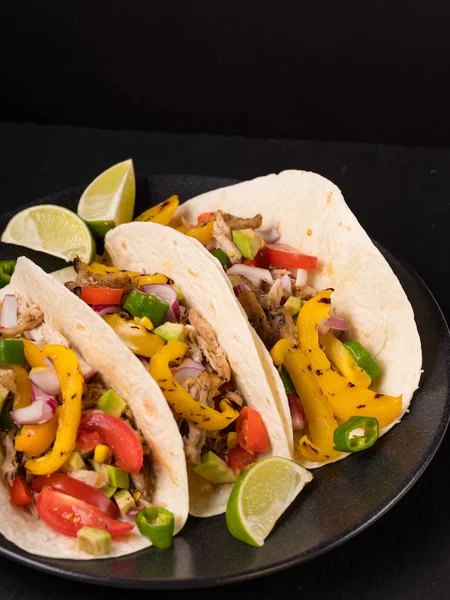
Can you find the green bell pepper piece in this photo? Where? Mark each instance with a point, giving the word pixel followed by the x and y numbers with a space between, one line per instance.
pixel 144 305
pixel 287 382
pixel 6 270
pixel 222 258
pixel 344 443
pixel 363 358
pixel 12 352
pixel 156 524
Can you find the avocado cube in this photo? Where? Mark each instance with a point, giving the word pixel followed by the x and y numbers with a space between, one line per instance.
pixel 247 242
pixel 73 463
pixel 170 331
pixel 124 501
pixel 115 477
pixel 215 470
pixel 94 541
pixel 111 403
pixel 293 305
pixel 108 490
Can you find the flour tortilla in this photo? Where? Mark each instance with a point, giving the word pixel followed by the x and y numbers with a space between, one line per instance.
pixel 121 370
pixel 137 246
pixel 312 216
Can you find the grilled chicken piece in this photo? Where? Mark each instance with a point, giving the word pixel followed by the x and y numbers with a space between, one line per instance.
pixel 204 388
pixel 239 223
pixel 206 339
pixel 85 276
pixel 8 380
pixel 10 465
pixel 29 318
pixel 256 316
pixel 272 299
pixel 222 235
pixel 282 325
pixel 91 394
pixel 193 443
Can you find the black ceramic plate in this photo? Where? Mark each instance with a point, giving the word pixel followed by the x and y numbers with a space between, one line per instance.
pixel 343 498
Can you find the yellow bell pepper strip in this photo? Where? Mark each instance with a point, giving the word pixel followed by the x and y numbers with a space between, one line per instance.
pixel 156 278
pixel 203 232
pixel 71 380
pixel 33 354
pixel 321 421
pixel 36 439
pixel 99 269
pixel 179 399
pixel 183 229
pixel 22 397
pixel 362 402
pixel 161 213
pixel 137 338
pixel 343 361
pixel 278 351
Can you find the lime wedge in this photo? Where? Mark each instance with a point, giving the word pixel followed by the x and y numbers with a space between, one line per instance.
pixel 261 495
pixel 52 229
pixel 109 200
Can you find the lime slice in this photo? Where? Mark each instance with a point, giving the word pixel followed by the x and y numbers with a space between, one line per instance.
pixel 261 495
pixel 109 200
pixel 52 229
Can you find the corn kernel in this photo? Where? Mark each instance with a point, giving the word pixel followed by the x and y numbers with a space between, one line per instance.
pixel 102 453
pixel 137 496
pixel 231 440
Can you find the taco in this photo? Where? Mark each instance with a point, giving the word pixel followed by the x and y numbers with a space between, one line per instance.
pixel 87 439
pixel 345 353
pixel 170 307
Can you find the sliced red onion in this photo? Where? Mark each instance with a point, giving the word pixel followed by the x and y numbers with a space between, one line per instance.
pixel 132 514
pixel 29 335
pixel 188 368
pixel 37 394
pixel 144 272
pixel 254 274
pixel 166 293
pixel 333 323
pixel 182 311
pixel 242 287
pixel 8 317
pixel 145 362
pixel 286 285
pixel 301 278
pixel 270 236
pixel 92 478
pixel 298 416
pixel 37 412
pixel 106 309
pixel 87 371
pixel 46 379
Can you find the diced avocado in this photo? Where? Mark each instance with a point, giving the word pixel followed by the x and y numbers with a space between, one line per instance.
pixel 124 501
pixel 73 463
pixel 247 241
pixel 115 477
pixel 293 305
pixel 108 490
pixel 223 258
pixel 178 291
pixel 215 470
pixel 94 541
pixel 170 331
pixel 111 403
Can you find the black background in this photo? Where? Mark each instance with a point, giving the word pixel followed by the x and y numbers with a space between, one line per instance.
pixel 315 69
pixel 349 72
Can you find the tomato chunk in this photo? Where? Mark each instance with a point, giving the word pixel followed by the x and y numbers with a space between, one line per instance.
pixel 239 459
pixel 76 489
pixel 287 257
pixel 68 515
pixel 101 295
pixel 88 440
pixel 118 436
pixel 251 430
pixel 259 261
pixel 204 216
pixel 19 492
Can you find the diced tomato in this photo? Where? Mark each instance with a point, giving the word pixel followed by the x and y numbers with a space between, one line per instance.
pixel 88 440
pixel 204 216
pixel 287 257
pixel 259 261
pixel 251 430
pixel 239 459
pixel 19 492
pixel 68 515
pixel 76 489
pixel 101 295
pixel 118 436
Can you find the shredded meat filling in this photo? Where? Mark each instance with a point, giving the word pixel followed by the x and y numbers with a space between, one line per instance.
pixel 91 394
pixel 119 279
pixel 29 318
pixel 206 340
pixel 222 235
pixel 240 223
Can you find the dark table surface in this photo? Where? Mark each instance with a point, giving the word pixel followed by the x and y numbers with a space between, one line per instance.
pixel 401 196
